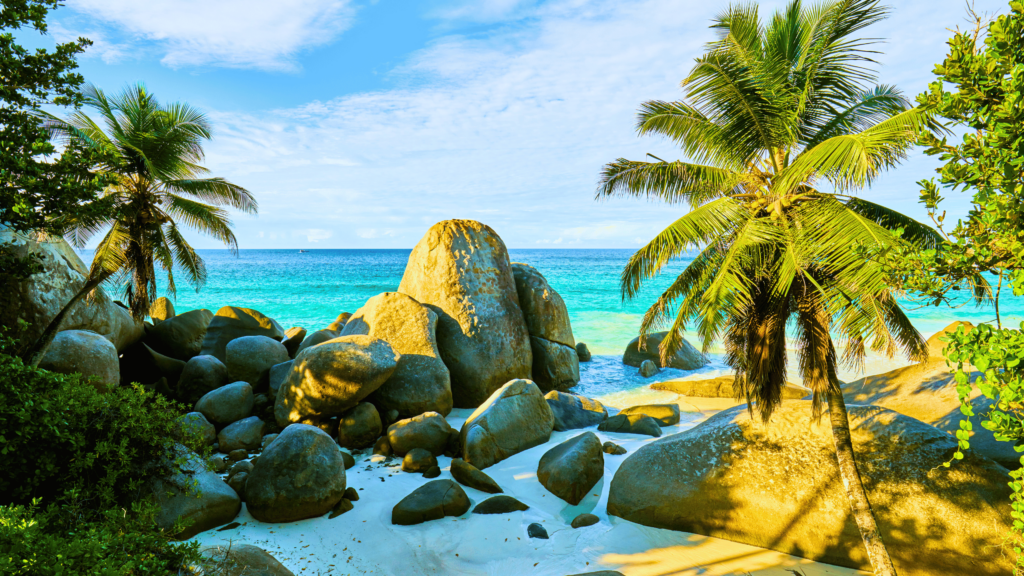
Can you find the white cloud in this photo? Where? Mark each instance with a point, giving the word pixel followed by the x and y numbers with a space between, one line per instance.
pixel 102 47
pixel 265 34
pixel 316 234
pixel 510 128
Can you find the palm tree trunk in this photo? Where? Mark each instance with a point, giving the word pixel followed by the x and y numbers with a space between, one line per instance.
pixel 35 354
pixel 862 513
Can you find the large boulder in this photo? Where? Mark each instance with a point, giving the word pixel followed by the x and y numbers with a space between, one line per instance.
pixel 140 363
pixel 432 501
pixel 687 358
pixel 421 382
pixel 161 309
pixel 232 322
pixel 572 468
pixel 227 404
pixel 461 270
pixel 572 411
pixel 249 358
pixel 359 427
pixel 246 433
pixel 86 353
pixel 515 418
pixel 429 431
pixel 543 309
pixel 182 336
pixel 301 474
pixel 555 366
pixel 38 298
pixel 927 392
pixel 236 559
pixel 329 379
pixel 197 496
pixel 721 387
pixel 201 375
pixel 777 486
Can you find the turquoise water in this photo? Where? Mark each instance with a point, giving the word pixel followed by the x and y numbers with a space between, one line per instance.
pixel 310 289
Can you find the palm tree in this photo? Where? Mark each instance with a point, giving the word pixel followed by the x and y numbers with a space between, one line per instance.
pixel 153 154
pixel 780 122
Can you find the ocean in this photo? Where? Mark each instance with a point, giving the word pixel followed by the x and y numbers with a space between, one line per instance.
pixel 311 288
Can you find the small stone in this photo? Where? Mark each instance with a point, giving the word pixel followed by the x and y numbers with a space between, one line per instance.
pixel 613 449
pixel 584 520
pixel 500 504
pixel 433 472
pixel 237 483
pixel 468 475
pixel 260 403
pixel 432 501
pixel 238 467
pixel 418 460
pixel 382 447
pixel 230 526
pixel 343 505
pixel 239 454
pixel 348 459
pixel 535 530
pixel 219 463
pixel 631 424
pixel 583 352
pixel 648 368
pixel 351 494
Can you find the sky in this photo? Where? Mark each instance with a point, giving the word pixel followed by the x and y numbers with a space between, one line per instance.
pixel 359 124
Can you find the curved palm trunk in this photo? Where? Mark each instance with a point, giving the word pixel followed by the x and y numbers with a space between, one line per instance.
pixel 35 354
pixel 862 512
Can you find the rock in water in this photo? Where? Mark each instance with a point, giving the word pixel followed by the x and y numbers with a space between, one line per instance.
pixel 246 433
pixel 665 414
pixel 418 460
pixel 432 501
pixel 778 487
pixel 86 353
pixel 721 387
pixel 38 298
pixel 250 358
pixel 461 270
pixel 613 449
pixel 500 504
pixel 359 427
pixel 687 358
pixel 429 431
pixel 215 505
pixel 536 530
pixel 555 366
pixel 582 352
pixel 300 475
pixel 572 468
pixel 231 322
pixel 543 309
pixel 515 418
pixel 161 309
pixel 584 520
pixel 572 412
pixel 631 424
pixel 648 368
pixel 201 375
pixel 469 475
pixel 236 559
pixel 227 404
pixel 293 338
pixel 181 336
pixel 927 392
pixel 196 423
pixel 331 378
pixel 421 382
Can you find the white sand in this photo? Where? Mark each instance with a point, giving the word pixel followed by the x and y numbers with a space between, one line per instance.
pixel 363 540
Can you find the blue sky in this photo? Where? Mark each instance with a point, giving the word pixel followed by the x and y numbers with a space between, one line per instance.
pixel 358 124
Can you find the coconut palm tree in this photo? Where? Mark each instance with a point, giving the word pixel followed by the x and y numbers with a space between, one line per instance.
pixel 153 154
pixel 780 123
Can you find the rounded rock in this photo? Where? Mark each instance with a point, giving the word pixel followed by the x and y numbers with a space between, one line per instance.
pixel 648 368
pixel 249 358
pixel 246 433
pixel 429 431
pixel 201 375
pixel 418 460
pixel 359 427
pixel 227 404
pixel 85 353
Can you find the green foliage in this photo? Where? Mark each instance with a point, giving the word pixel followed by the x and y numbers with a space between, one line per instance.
pixel 38 186
pixel 152 156
pixel 121 543
pixel 779 117
pixel 979 89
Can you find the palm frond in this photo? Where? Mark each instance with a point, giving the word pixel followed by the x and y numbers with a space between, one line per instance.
pixel 215 191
